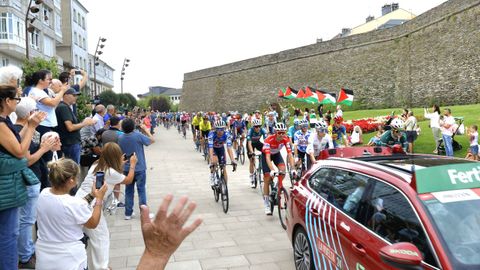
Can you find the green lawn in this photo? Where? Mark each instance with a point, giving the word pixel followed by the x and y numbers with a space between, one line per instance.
pixel 424 142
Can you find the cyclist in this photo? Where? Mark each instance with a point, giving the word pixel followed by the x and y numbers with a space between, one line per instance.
pixel 216 140
pixel 319 140
pixel 300 143
pixel 395 135
pixel 205 127
pixel 293 129
pixel 238 130
pixel 339 132
pixel 196 123
pixel 271 154
pixel 253 142
pixel 177 118
pixel 270 123
pixel 183 120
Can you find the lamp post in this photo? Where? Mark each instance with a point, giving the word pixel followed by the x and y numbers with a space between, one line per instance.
pixel 98 52
pixel 30 28
pixel 125 64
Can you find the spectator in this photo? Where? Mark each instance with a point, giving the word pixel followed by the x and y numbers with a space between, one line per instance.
pixel 98 117
pixel 296 113
pixel 66 77
pixel 110 112
pixel 447 126
pixel 375 139
pixel 146 121
pixel 153 121
pixel 328 117
pixel 411 130
pixel 112 134
pixel 339 133
pixel 69 126
pixel 270 123
pixel 356 137
pixel 46 101
pixel 14 174
pixel 11 75
pixel 320 110
pixel 61 218
pixel 111 163
pixel 133 142
pixel 473 136
pixel 434 125
pixel 286 116
pixel 339 111
pixel 91 149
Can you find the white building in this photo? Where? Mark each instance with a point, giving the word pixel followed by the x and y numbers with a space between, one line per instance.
pixel 74 49
pixel 174 94
pixel 103 76
pixel 44 31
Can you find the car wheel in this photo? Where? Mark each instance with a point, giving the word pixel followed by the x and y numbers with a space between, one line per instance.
pixel 302 251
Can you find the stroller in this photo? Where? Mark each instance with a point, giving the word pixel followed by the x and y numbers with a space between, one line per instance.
pixel 455 145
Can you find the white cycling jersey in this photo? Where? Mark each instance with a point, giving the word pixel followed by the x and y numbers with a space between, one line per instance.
pixel 316 145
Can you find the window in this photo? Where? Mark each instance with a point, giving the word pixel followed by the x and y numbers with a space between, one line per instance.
pixel 58 24
pixel 84 64
pixel 74 15
pixel 35 39
pixel 48 46
pixel 47 15
pixel 84 44
pixel 389 215
pixel 76 61
pixel 75 38
pixel 83 22
pixel 58 4
pixel 12 28
pixel 5 62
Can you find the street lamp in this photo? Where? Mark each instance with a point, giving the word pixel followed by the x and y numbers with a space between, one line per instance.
pixel 30 28
pixel 125 64
pixel 98 51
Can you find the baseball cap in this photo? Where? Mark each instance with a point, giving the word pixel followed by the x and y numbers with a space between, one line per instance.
pixel 72 91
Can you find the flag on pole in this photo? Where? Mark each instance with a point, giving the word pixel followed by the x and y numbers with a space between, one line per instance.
pixel 309 95
pixel 345 97
pixel 290 93
pixel 325 98
pixel 281 92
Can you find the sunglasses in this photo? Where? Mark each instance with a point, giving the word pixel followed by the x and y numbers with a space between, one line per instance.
pixel 322 130
pixel 219 129
pixel 17 99
pixel 256 126
pixel 281 133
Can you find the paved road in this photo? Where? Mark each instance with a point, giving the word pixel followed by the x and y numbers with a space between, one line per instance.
pixel 244 238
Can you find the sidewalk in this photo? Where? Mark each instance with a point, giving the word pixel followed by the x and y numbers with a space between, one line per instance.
pixel 244 238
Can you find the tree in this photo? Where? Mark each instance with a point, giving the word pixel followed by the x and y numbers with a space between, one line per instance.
pixel 160 103
pixel 127 100
pixel 109 97
pixel 38 63
pixel 84 107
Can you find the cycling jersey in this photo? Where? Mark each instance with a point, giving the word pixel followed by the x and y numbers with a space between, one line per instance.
pixel 338 134
pixel 388 140
pixel 254 137
pixel 301 140
pixel 205 125
pixel 272 146
pixel 316 145
pixel 196 121
pixel 270 126
pixel 239 125
pixel 216 142
pixel 291 131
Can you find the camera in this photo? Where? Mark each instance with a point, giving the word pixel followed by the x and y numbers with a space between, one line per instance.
pixel 100 177
pixel 78 72
pixel 127 157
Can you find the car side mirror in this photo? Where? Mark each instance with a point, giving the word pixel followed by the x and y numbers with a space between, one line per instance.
pixel 402 255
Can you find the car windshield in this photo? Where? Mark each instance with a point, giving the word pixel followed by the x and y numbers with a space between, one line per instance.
pixel 458 224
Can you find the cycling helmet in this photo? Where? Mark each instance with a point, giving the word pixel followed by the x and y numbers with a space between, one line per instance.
pixel 321 125
pixel 280 127
pixel 296 122
pixel 220 124
pixel 338 119
pixel 304 123
pixel 397 123
pixel 256 122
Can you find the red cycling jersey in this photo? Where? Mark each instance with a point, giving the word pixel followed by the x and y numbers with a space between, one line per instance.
pixel 272 146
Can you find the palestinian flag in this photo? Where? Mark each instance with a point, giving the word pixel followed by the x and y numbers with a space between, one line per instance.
pixel 301 95
pixel 281 92
pixel 309 95
pixel 325 98
pixel 345 97
pixel 289 93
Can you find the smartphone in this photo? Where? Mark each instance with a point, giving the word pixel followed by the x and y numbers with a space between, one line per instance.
pixel 100 177
pixel 78 72
pixel 127 157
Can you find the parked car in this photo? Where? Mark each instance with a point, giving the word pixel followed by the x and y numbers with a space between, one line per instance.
pixel 364 208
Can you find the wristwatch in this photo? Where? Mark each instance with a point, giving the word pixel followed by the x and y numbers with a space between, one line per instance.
pixel 89 198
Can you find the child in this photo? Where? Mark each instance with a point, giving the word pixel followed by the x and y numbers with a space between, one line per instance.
pixel 356 137
pixel 373 141
pixel 473 151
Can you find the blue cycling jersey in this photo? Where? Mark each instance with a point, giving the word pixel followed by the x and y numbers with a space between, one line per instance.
pixel 254 137
pixel 239 125
pixel 214 141
pixel 291 131
pixel 301 140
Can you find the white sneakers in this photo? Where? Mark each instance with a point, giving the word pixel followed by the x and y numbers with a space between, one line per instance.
pixel 150 215
pixel 266 203
pixel 130 217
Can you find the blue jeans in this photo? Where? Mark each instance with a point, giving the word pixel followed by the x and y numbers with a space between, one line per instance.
pixel 447 141
pixel 139 179
pixel 72 151
pixel 27 217
pixel 8 238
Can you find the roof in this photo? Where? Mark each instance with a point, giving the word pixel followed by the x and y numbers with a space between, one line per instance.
pixel 162 90
pixel 394 16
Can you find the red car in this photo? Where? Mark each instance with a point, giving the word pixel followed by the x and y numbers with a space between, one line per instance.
pixel 365 208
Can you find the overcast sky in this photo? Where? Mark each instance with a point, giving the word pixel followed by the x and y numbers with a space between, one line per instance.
pixel 165 39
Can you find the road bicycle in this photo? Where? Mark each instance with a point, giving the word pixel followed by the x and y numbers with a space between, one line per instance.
pixel 220 188
pixel 240 151
pixel 279 197
pixel 184 131
pixel 257 173
pixel 197 141
pixel 206 153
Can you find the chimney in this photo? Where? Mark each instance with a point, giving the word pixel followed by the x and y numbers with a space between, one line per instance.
pixel 387 8
pixel 370 18
pixel 345 32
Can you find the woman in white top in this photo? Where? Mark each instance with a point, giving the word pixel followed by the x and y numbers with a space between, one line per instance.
pixel 319 140
pixel 111 162
pixel 61 217
pixel 434 125
pixel 411 130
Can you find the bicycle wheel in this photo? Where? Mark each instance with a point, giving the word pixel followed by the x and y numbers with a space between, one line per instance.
pixel 242 154
pixel 216 191
pixel 282 199
pixel 224 193
pixel 273 196
pixel 260 179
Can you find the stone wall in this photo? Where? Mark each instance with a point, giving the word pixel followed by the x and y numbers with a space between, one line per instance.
pixel 432 58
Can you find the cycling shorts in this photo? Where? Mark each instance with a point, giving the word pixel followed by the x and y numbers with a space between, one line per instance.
pixel 197 127
pixel 257 146
pixel 220 153
pixel 277 159
pixel 205 133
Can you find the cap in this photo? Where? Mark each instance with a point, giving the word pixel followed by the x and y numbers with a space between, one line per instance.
pixel 72 91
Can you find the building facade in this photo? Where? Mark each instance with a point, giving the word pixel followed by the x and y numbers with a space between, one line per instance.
pixel 42 29
pixel 103 76
pixel 74 49
pixel 174 94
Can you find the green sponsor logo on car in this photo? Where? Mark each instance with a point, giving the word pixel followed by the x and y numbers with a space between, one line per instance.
pixel 448 177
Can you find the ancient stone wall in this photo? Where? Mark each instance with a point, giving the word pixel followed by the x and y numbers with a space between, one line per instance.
pixel 432 58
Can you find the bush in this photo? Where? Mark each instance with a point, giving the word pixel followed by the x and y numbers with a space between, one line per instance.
pixel 109 97
pixel 38 63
